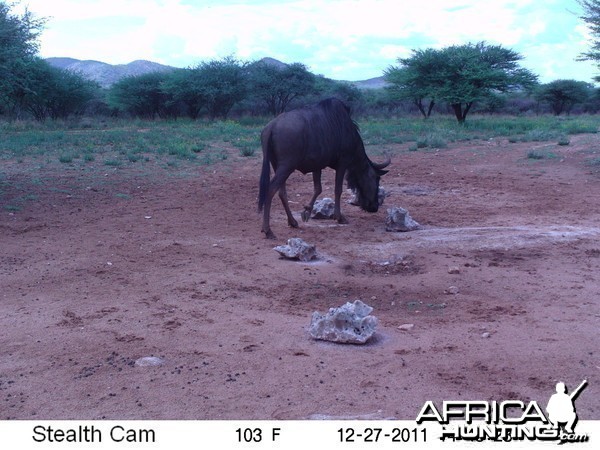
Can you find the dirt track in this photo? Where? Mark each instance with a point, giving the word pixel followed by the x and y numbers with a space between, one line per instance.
pixel 100 270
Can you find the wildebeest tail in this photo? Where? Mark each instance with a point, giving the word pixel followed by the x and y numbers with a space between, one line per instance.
pixel 265 174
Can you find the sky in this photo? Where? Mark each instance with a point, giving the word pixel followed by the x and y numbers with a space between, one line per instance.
pixel 340 39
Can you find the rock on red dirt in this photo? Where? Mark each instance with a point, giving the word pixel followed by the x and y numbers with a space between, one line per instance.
pixel 98 271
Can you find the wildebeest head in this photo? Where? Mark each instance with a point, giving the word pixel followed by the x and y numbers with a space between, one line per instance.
pixel 364 182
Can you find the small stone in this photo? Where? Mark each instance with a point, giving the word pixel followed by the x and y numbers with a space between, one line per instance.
pixel 452 290
pixel 149 361
pixel 323 209
pixel 398 219
pixel 453 270
pixel 296 248
pixel 485 335
pixel 381 195
pixel 406 326
pixel 348 324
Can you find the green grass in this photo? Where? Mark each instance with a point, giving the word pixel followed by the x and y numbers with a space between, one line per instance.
pixel 594 163
pixel 438 131
pixel 122 142
pixel 541 154
pixel 93 142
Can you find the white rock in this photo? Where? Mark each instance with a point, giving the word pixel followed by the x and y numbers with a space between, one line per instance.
pixel 406 326
pixel 148 361
pixel 452 290
pixel 348 324
pixel 323 209
pixel 398 219
pixel 296 248
pixel 381 195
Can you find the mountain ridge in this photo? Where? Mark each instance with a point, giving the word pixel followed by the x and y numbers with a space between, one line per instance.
pixel 106 74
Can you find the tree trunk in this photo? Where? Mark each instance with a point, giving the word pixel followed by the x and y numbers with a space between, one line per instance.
pixel 457 107
pixel 419 103
pixel 466 111
pixel 431 104
pixel 461 115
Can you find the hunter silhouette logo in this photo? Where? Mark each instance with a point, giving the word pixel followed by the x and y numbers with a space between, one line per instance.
pixel 561 407
pixel 509 420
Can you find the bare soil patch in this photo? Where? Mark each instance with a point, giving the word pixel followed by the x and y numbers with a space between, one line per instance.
pixel 98 270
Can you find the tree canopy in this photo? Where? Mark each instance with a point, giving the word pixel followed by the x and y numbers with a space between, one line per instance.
pixel 28 84
pixel 18 47
pixel 416 79
pixel 591 16
pixel 220 85
pixel 562 95
pixel 276 87
pixel 142 95
pixel 459 75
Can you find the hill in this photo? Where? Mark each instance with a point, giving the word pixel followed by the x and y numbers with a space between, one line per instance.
pixel 371 83
pixel 108 74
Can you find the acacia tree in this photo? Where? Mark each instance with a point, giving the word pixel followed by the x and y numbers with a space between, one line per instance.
pixel 591 16
pixel 276 86
pixel 68 93
pixel 414 79
pixel 220 84
pixel 28 84
pixel 460 75
pixel 18 47
pixel 142 95
pixel 184 86
pixel 562 95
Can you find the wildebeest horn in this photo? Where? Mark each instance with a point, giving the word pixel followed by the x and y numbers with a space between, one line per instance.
pixel 382 165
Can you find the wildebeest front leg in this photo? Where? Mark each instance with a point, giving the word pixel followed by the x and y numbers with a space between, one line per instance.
pixel 284 199
pixel 317 191
pixel 339 184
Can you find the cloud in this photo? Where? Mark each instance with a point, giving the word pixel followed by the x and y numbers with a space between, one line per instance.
pixel 395 51
pixel 345 38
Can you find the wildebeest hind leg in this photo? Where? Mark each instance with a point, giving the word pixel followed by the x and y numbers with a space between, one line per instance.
pixel 284 199
pixel 276 184
pixel 266 228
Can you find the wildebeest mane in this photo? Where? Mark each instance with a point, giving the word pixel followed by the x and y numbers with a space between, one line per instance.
pixel 332 129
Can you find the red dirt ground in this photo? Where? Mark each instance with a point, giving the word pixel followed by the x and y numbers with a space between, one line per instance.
pixel 100 268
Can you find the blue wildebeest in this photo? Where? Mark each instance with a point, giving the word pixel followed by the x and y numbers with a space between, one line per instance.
pixel 309 140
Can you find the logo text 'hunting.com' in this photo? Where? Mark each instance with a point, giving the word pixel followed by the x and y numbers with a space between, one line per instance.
pixel 508 420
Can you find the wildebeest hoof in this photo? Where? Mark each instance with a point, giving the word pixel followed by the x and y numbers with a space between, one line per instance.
pixel 305 215
pixel 342 220
pixel 269 234
pixel 293 223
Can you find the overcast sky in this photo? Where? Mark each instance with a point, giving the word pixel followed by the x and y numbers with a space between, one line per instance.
pixel 340 39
